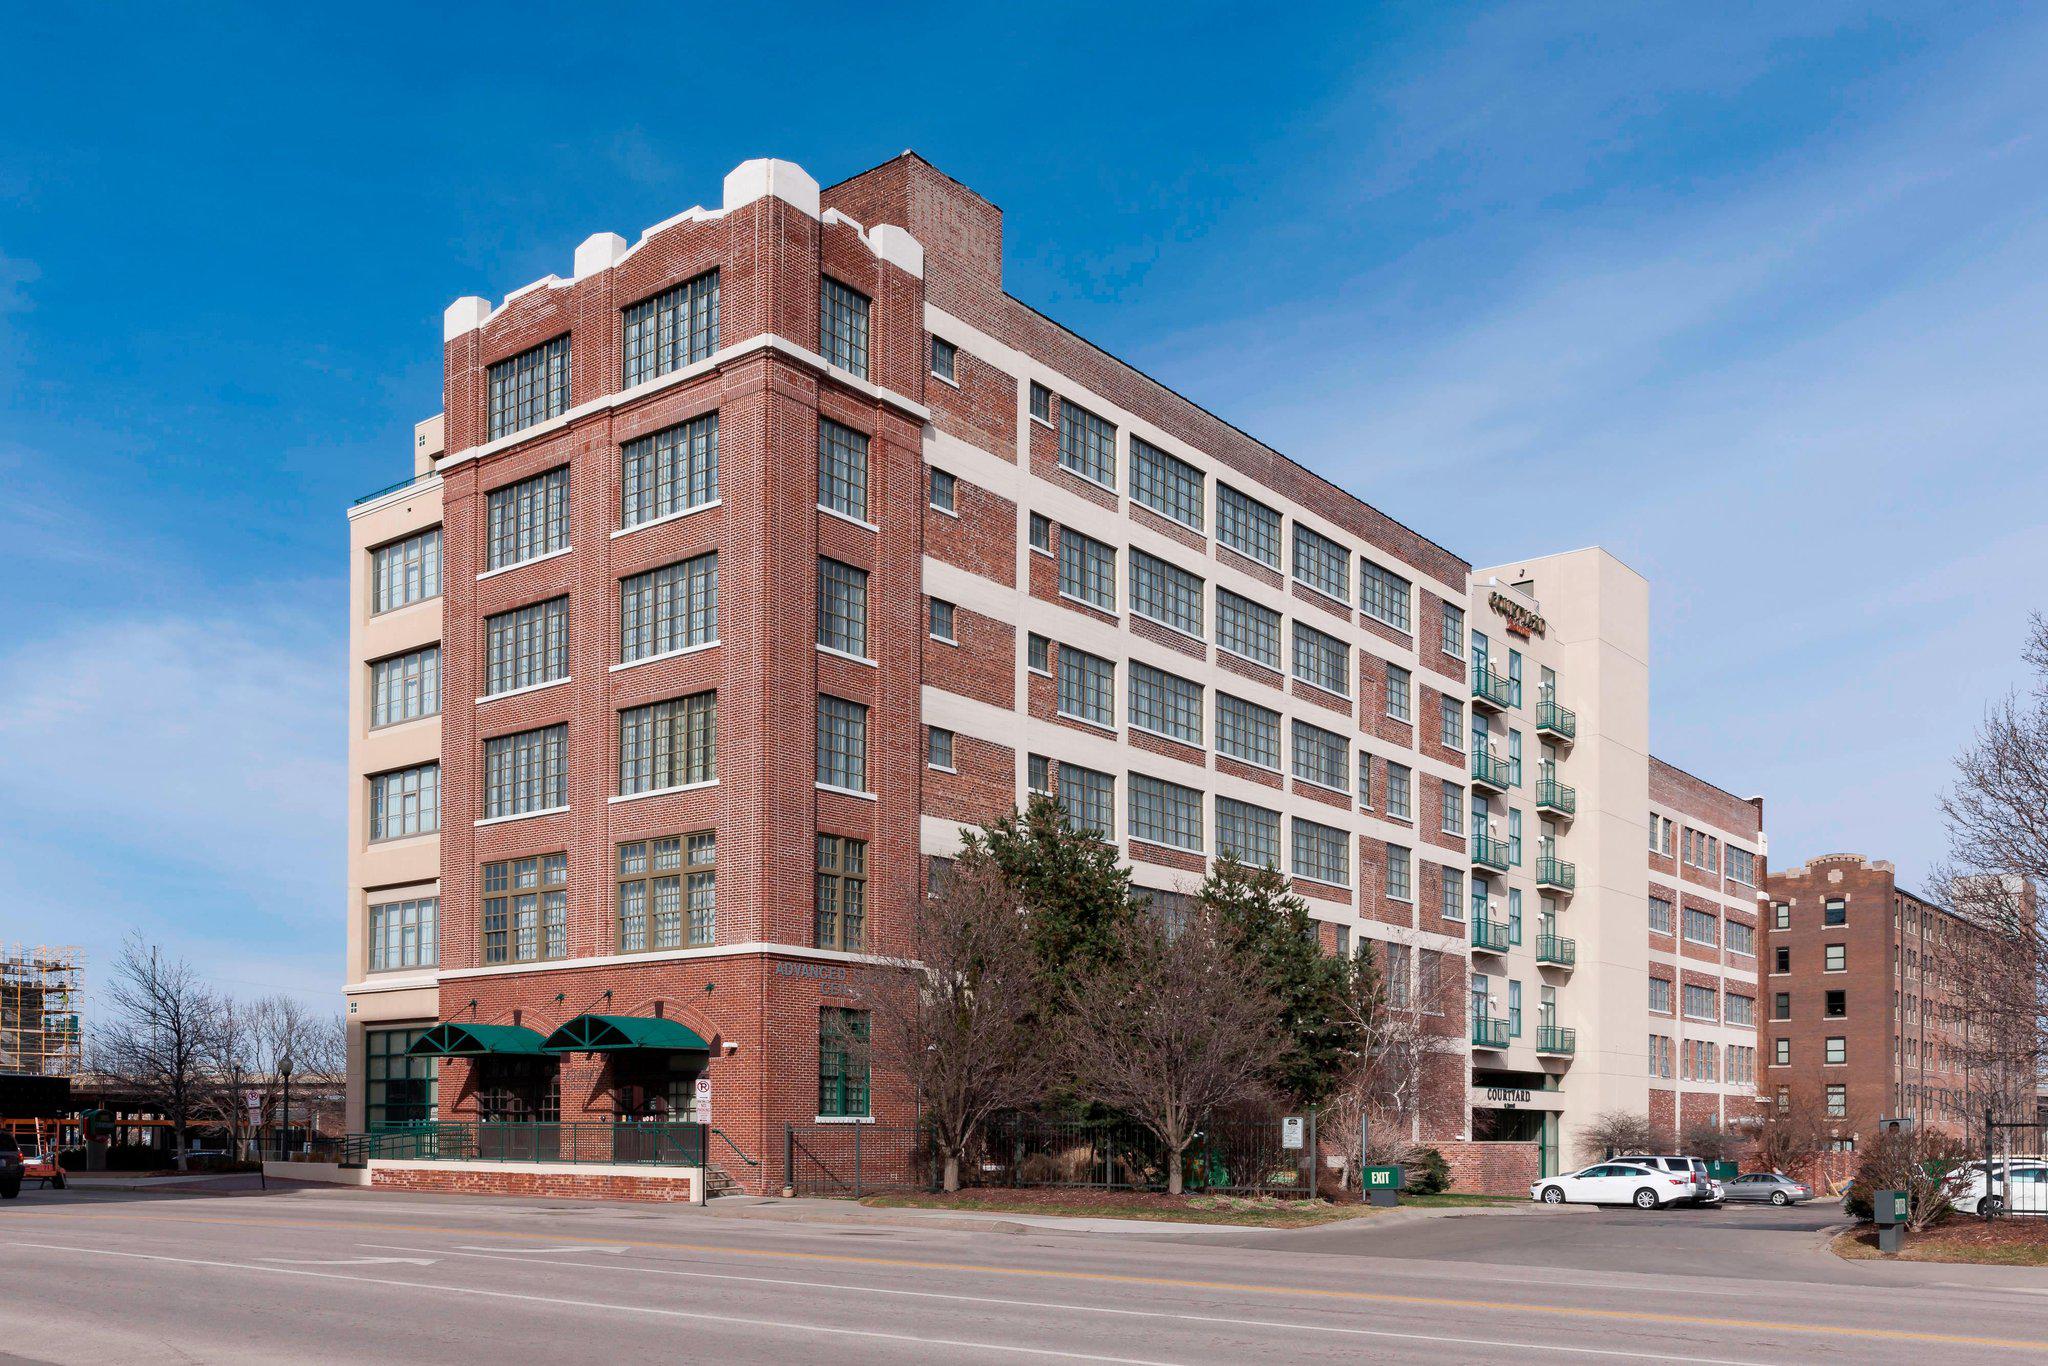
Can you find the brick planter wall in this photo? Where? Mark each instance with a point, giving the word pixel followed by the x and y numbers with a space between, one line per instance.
pixel 1491 1168
pixel 547 1180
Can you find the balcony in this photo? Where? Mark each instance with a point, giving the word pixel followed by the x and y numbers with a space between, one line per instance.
pixel 1557 1041
pixel 1490 936
pixel 1488 852
pixel 1488 1033
pixel 1551 719
pixel 1555 873
pixel 1557 951
pixel 1556 797
pixel 1491 771
pixel 1489 689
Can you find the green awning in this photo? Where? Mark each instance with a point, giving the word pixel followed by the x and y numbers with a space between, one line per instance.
pixel 451 1040
pixel 622 1033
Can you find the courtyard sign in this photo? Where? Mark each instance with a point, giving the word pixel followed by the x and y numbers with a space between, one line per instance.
pixel 1520 620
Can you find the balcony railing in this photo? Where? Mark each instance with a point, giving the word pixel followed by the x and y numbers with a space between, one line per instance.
pixel 1560 952
pixel 1489 1033
pixel 1489 852
pixel 1489 770
pixel 1552 795
pixel 1490 935
pixel 1495 691
pixel 391 488
pixel 1555 872
pixel 1551 719
pixel 1554 1039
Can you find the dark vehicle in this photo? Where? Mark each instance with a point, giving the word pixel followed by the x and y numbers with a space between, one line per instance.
pixel 1768 1187
pixel 11 1167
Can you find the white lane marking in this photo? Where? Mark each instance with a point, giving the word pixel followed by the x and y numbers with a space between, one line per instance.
pixel 610 1308
pixel 1098 1309
pixel 612 1251
pixel 352 1261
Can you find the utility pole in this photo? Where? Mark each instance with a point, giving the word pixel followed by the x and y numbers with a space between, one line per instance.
pixel 284 1127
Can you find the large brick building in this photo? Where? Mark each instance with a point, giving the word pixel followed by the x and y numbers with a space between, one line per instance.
pixel 778 545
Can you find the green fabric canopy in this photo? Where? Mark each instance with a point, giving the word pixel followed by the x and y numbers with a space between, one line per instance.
pixel 451 1040
pixel 622 1033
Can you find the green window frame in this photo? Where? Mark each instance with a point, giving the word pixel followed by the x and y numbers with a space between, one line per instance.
pixel 843 1090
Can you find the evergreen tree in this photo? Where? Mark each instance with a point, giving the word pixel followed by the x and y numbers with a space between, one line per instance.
pixel 1073 891
pixel 1314 989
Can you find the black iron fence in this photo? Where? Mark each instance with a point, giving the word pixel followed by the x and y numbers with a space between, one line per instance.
pixel 668 1144
pixel 2012 1178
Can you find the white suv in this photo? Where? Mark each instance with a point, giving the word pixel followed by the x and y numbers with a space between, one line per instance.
pixel 1705 1190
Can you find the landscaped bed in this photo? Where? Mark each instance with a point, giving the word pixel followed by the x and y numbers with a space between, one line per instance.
pixel 1263 1211
pixel 1997 1242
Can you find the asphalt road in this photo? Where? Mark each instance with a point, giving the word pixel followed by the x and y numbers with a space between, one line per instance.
pixel 332 1275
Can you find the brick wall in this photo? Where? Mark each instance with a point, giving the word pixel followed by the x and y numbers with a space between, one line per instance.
pixel 1491 1168
pixel 674 1186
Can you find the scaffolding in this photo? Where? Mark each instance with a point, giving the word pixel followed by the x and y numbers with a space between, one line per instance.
pixel 40 993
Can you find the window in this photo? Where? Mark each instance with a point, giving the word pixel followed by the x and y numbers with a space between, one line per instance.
pixel 1452 903
pixel 1400 793
pixel 1087 687
pixel 1038 775
pixel 1515 837
pixel 1399 703
pixel 1166 483
pixel 1166 703
pixel 1699 1003
pixel 1166 593
pixel 526 647
pixel 1400 879
pixel 1365 780
pixel 1741 939
pixel 669 471
pixel 1741 866
pixel 1700 926
pixel 1247 731
pixel 1781 1055
pixel 1247 833
pixel 842 1063
pixel 1245 628
pixel 842 607
pixel 1835 958
pixel 1835 1005
pixel 1836 1051
pixel 1453 643
pixel 1041 532
pixel 842 744
pixel 938 748
pixel 526 909
pixel 1383 595
pixel 942 620
pixel 668 609
pixel 1398 958
pixel 403 934
pixel 668 744
pixel 1781 916
pixel 405 687
pixel 1514 915
pixel 944 491
pixel 530 387
pixel 1661 833
pixel 667 892
pixel 405 572
pixel 1247 526
pixel 1087 444
pixel 670 330
pixel 1321 852
pixel 944 355
pixel 1661 921
pixel 528 519
pixel 1453 808
pixel 1322 757
pixel 1781 960
pixel 405 802
pixel 1041 403
pixel 1322 564
pixel 1514 1008
pixel 1087 569
pixel 1450 724
pixel 1660 1056
pixel 843 326
pixel 842 470
pixel 1739 1010
pixel 1089 798
pixel 399 1089
pixel 1165 813
pixel 1320 659
pixel 1838 1101
pixel 1038 653
pixel 1660 995
pixel 842 909
pixel 1834 911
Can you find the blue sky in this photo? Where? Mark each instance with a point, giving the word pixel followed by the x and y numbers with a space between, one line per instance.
pixel 1755 297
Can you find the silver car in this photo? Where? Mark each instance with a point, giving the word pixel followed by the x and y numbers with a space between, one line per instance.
pixel 1769 1187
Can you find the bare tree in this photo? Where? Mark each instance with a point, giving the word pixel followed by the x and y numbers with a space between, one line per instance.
pixel 958 1016
pixel 1925 1163
pixel 160 1031
pixel 1787 1137
pixel 1170 1028
pixel 1618 1131
pixel 1397 1019
pixel 229 1068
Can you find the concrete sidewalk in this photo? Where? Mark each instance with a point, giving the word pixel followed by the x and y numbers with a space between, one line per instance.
pixel 804 1210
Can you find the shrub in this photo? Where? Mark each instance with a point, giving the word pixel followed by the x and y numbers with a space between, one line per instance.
pixel 1427 1174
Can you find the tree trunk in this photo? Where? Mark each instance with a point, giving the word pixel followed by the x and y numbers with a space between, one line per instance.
pixel 1173 1174
pixel 952 1178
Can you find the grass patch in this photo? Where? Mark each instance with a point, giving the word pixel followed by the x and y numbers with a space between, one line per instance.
pixel 2001 1242
pixel 1263 1211
pixel 1456 1200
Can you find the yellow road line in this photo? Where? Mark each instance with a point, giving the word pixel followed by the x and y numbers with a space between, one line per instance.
pixel 1106 1278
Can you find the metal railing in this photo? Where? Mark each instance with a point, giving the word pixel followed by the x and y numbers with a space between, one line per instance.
pixel 625 1142
pixel 1491 771
pixel 1555 1039
pixel 1551 948
pixel 1489 852
pixel 1491 935
pixel 1488 1032
pixel 1553 795
pixel 1556 720
pixel 1555 872
pixel 1488 686
pixel 391 488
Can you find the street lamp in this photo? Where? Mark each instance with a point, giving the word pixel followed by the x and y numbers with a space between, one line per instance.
pixel 284 1127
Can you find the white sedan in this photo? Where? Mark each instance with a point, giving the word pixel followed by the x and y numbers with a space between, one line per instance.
pixel 1613 1183
pixel 2022 1189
